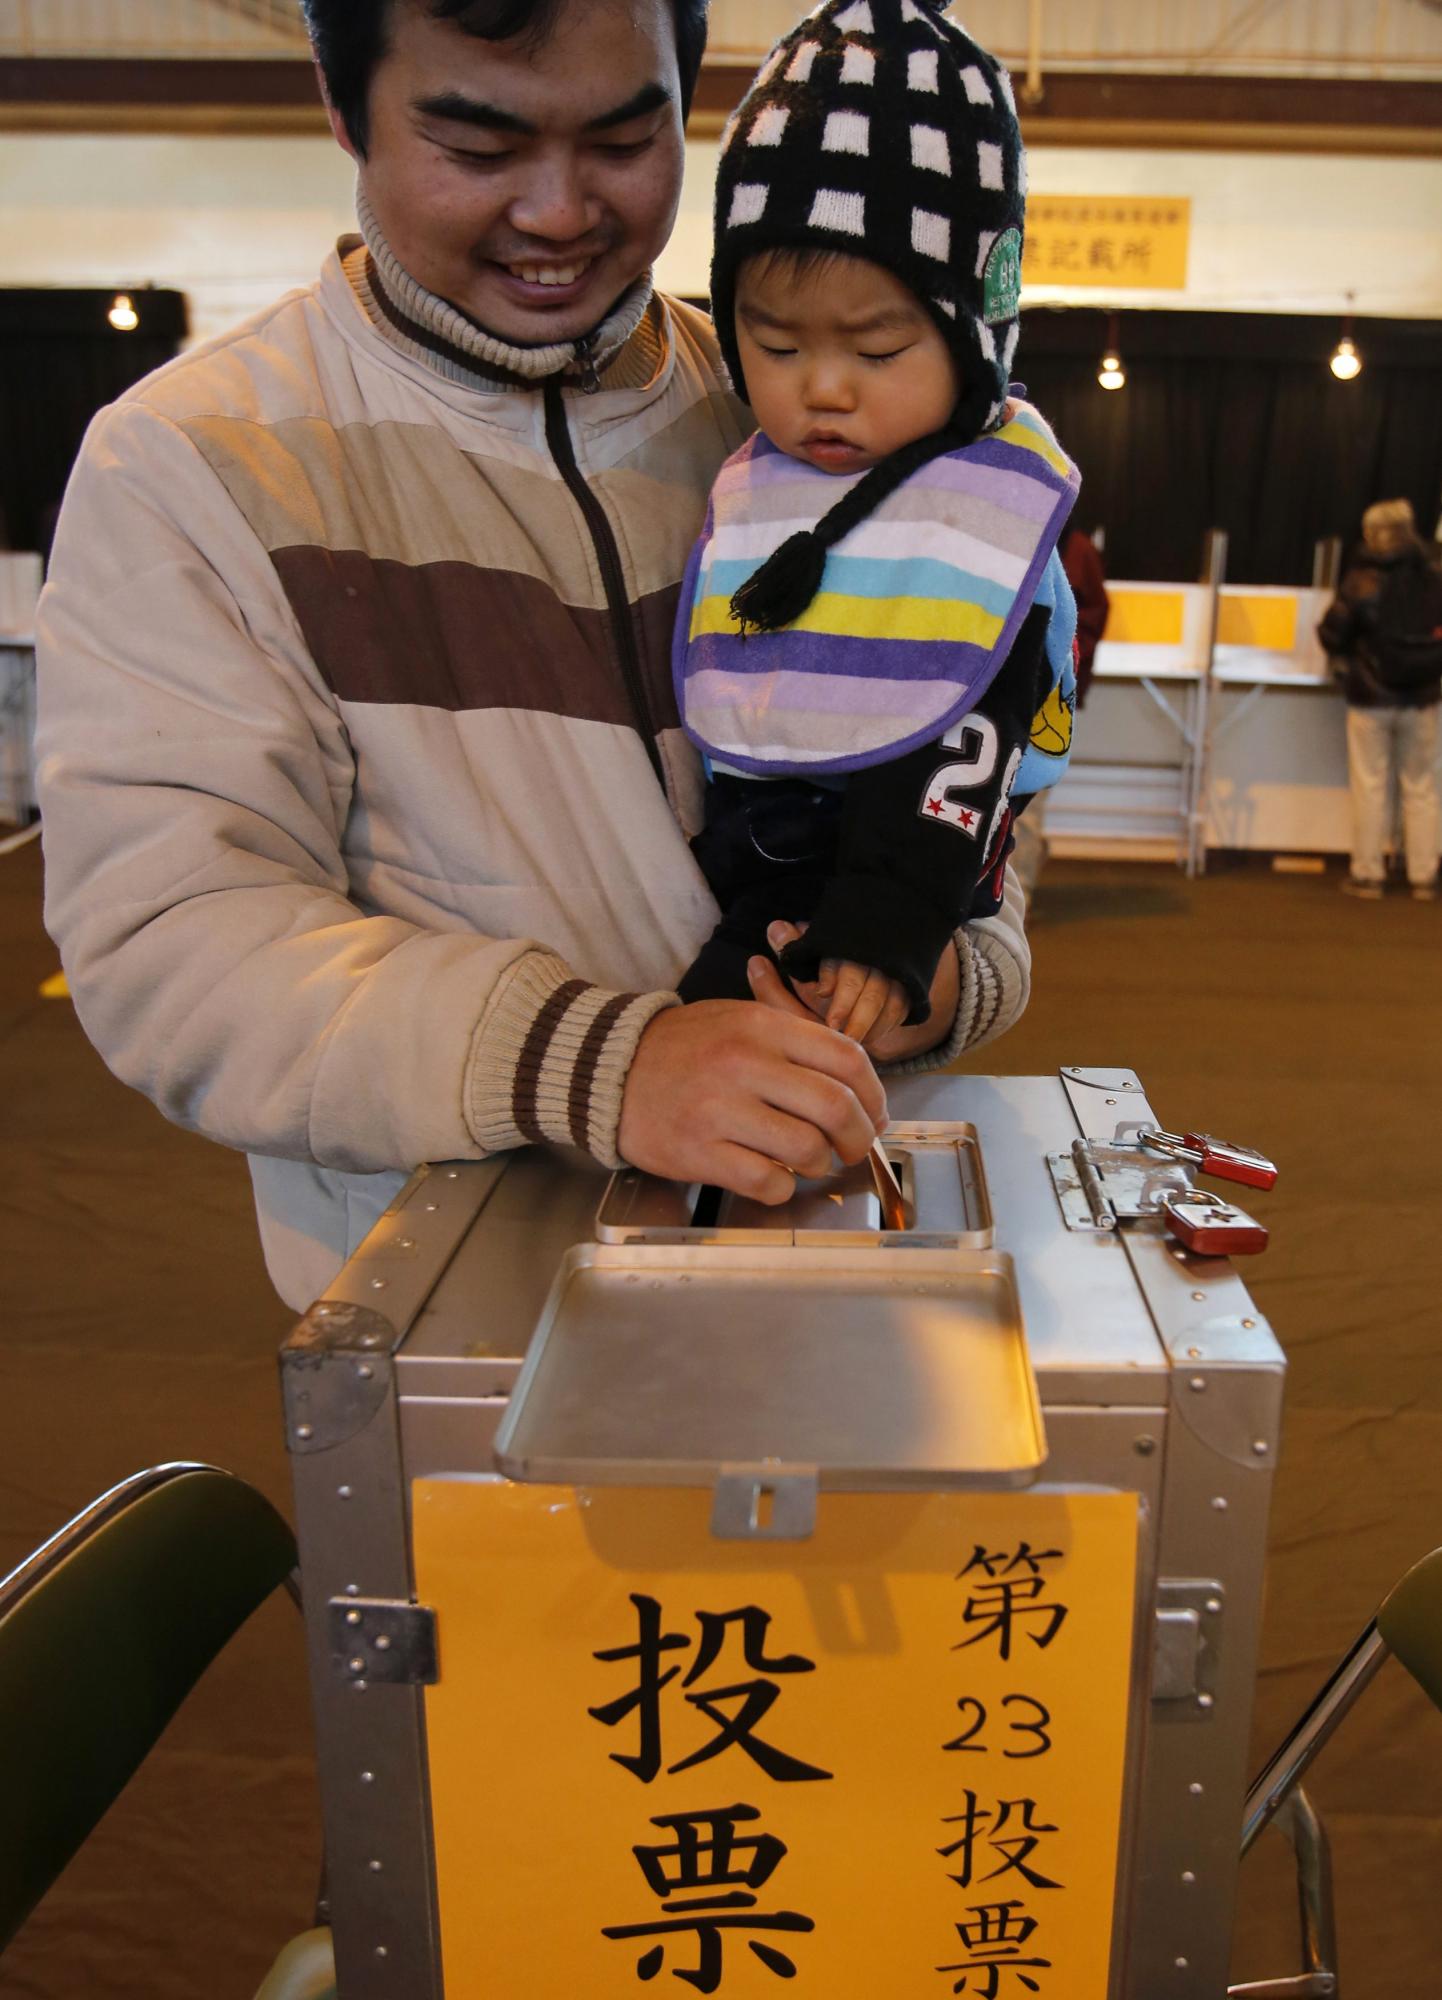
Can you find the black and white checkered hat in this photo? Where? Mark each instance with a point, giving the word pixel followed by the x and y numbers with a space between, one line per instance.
pixel 880 129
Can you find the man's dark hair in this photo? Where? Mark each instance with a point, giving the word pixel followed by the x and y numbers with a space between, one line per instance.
pixel 349 38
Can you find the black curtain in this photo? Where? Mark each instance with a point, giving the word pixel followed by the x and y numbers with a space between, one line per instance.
pixel 60 362
pixel 1235 421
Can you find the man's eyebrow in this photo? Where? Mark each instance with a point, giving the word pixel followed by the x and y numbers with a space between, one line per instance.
pixel 458 109
pixel 650 97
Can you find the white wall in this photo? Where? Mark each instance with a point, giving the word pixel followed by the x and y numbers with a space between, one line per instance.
pixel 235 221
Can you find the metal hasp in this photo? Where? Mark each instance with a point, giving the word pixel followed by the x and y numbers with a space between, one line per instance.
pixel 1142 1171
pixel 1186 1642
pixel 760 1503
pixel 383 1639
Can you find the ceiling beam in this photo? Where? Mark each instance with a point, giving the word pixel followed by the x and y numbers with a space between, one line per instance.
pixel 1232 113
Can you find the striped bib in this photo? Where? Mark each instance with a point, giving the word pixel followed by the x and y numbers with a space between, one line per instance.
pixel 917 610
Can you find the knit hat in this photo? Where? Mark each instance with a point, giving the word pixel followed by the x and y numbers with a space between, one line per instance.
pixel 878 129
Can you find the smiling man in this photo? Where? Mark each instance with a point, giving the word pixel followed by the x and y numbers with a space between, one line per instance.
pixel 366 807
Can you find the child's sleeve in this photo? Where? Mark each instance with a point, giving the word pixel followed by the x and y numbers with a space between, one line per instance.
pixel 921 833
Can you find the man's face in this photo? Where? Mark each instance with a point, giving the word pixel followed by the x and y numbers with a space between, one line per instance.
pixel 528 184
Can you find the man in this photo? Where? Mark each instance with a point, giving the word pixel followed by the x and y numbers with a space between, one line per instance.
pixel 366 806
pixel 1384 632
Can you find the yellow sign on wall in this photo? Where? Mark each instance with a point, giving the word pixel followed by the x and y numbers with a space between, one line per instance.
pixel 1135 242
pixel 883 1761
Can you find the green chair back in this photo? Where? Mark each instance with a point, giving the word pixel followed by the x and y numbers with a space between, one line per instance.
pixel 1410 1621
pixel 103 1633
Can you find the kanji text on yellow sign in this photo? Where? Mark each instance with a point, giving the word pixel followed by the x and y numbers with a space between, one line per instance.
pixel 1133 242
pixel 884 1760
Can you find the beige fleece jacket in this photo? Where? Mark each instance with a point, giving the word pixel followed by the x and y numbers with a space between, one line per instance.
pixel 354 693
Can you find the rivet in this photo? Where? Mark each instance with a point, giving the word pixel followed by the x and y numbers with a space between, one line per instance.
pixel 1219 1503
pixel 360 1685
pixel 406 1243
pixel 353 1618
pixel 452 1174
pixel 382 1642
pixel 323 1312
pixel 1194 1354
pixel 1196 1789
pixel 352 1590
pixel 432 1207
pixel 1111 1100
pixel 367 1777
pixel 1198 1384
pixel 1204 1701
pixel 375 1867
pixel 1199 1296
pixel 304 1431
pixel 1259 1446
pixel 1181 1964
pixel 1214 1604
pixel 343 1492
pixel 1249 1324
pixel 365 1371
pixel 1128 1086
pixel 1188 1876
pixel 371 1339
pixel 1144 1446
pixel 382 1951
pixel 355 1665
pixel 378 1284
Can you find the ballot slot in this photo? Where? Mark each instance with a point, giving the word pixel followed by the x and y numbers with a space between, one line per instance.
pixel 943 1186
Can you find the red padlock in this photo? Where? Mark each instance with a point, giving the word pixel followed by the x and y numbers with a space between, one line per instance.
pixel 1227 1162
pixel 1202 1222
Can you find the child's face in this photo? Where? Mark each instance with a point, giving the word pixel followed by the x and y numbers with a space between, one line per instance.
pixel 843 364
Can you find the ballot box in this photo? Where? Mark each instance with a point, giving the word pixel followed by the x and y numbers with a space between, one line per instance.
pixel 769 1601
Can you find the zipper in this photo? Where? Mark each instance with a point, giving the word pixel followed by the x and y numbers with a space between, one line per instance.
pixel 608 556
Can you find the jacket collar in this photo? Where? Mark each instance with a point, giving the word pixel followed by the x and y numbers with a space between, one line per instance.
pixel 624 351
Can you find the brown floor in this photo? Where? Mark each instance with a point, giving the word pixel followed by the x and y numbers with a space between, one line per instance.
pixel 137 1326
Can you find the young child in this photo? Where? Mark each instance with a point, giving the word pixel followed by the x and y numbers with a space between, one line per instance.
pixel 874 646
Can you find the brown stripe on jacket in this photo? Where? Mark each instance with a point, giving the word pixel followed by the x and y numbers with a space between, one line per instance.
pixel 452 636
pixel 525 1096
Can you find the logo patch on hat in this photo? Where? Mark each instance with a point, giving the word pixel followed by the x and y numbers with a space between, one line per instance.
pixel 1001 280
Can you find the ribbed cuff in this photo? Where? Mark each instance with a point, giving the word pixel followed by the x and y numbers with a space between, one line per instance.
pixel 992 998
pixel 550 1057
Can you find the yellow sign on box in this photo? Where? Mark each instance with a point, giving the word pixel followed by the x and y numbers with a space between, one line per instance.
pixel 885 1760
pixel 1135 242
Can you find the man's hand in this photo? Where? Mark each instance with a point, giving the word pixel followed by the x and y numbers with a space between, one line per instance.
pixel 816 998
pixel 747 1098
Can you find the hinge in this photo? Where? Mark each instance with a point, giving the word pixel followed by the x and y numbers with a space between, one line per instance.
pixel 1186 1641
pixel 383 1639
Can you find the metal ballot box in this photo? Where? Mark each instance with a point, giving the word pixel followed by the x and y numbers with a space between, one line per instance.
pixel 768 1600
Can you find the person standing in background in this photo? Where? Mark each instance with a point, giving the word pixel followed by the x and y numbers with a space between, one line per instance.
pixel 1081 559
pixel 1384 631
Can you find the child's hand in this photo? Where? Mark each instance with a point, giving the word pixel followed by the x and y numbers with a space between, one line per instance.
pixel 899 1044
pixel 860 1001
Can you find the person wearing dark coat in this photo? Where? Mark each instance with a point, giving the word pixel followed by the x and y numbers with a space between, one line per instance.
pixel 1383 631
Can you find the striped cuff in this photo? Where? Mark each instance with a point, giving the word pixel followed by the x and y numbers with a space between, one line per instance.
pixel 550 1057
pixel 992 999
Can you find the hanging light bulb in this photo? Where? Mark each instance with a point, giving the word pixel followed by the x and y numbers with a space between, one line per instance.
pixel 1346 362
pixel 1111 374
pixel 122 314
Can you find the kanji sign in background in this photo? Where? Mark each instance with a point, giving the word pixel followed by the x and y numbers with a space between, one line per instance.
pixel 884 1760
pixel 1136 242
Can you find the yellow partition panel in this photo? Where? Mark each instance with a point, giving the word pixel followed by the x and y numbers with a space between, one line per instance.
pixel 883 1761
pixel 1146 617
pixel 1267 622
